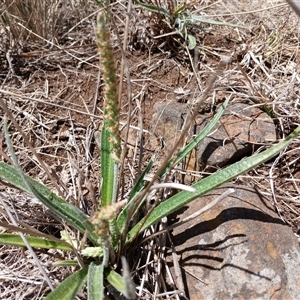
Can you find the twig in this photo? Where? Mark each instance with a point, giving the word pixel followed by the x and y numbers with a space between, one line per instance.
pixel 173 152
pixel 37 261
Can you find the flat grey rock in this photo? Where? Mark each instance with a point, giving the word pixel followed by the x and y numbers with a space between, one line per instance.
pixel 239 132
pixel 239 249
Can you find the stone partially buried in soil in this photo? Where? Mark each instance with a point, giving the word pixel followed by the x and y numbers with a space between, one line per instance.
pixel 167 122
pixel 239 249
pixel 240 131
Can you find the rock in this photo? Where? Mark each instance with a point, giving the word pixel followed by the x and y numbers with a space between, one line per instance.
pixel 239 132
pixel 167 122
pixel 239 249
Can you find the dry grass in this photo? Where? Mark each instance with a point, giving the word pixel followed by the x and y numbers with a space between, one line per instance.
pixel 53 89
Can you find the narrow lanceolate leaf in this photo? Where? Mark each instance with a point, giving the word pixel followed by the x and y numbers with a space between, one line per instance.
pixel 70 287
pixel 118 282
pixel 192 145
pixel 209 183
pixel 213 22
pixel 123 217
pixel 35 242
pixel 70 213
pixel 126 214
pixel 126 274
pixel 156 9
pixel 66 263
pixel 179 10
pixel 35 233
pixel 109 170
pixel 95 285
pixel 110 136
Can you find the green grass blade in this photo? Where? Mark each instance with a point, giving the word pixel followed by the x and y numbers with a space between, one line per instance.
pixel 213 22
pixel 109 170
pixel 70 287
pixel 209 183
pixel 35 233
pixel 70 213
pixel 179 9
pixel 207 129
pixel 140 184
pixel 114 232
pixel 95 282
pixel 65 263
pixel 153 8
pixel 188 148
pixel 35 242
pixel 118 282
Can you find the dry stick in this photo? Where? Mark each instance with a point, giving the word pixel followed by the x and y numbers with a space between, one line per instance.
pixel 48 103
pixel 57 46
pixel 26 140
pixel 31 231
pixel 193 216
pixel 140 125
pixel 34 256
pixel 124 65
pixel 22 97
pixel 96 94
pixel 190 117
pixel 177 270
pixel 203 209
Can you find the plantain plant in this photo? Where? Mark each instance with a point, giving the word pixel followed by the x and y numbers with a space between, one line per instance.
pixel 177 19
pixel 108 232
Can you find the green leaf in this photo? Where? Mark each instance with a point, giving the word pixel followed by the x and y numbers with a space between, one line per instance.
pixel 95 282
pixel 118 282
pixel 140 183
pixel 32 232
pixel 70 213
pixel 35 242
pixel 156 9
pixel 70 287
pixel 209 183
pixel 114 232
pixel 138 187
pixel 109 170
pixel 213 22
pixel 65 263
pixel 191 41
pixel 101 4
pixel 92 251
pixel 179 10
pixel 206 130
